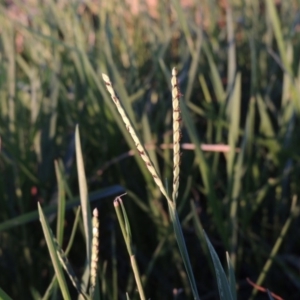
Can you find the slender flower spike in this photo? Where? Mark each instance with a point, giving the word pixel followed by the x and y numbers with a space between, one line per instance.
pixel 176 133
pixel 140 148
pixel 95 251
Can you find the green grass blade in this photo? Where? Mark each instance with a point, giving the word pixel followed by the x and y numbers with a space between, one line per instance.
pixel 204 170
pixel 61 205
pixel 231 277
pixel 223 285
pixel 183 250
pixel 4 296
pixel 200 233
pixel 283 50
pixel 148 139
pixel 114 271
pixel 127 296
pixel 233 115
pixel 50 288
pixel 193 70
pixel 231 48
pixel 294 213
pixel 214 75
pixel 266 128
pixel 184 24
pixel 122 223
pixel 74 228
pixel 205 89
pixel 33 216
pixel 235 165
pixel 275 21
pixel 85 206
pixel 54 257
pixel 126 231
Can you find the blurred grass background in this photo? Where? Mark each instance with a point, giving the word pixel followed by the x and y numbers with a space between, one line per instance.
pixel 239 70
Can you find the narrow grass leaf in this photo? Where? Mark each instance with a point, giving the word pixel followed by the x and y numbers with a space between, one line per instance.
pixel 214 74
pixel 231 69
pixel 294 212
pixel 184 24
pixel 231 277
pixel 121 221
pixel 85 207
pixel 126 222
pixel 148 139
pixel 4 296
pixel 114 265
pixel 50 288
pixel 193 69
pixel 275 21
pixel 32 216
pixel 183 250
pixel 205 171
pixel 205 89
pixel 74 228
pixel 223 285
pixel 200 233
pixel 125 227
pixel 61 204
pixel 283 50
pixel 287 80
pixel 266 129
pixel 233 116
pixel 54 257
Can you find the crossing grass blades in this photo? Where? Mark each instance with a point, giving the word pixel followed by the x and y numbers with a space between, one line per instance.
pixel 226 288
pixel 59 259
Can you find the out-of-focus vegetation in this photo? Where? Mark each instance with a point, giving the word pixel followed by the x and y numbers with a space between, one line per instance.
pixel 238 65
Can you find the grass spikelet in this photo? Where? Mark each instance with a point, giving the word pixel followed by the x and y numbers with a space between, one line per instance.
pixel 95 251
pixel 139 146
pixel 176 133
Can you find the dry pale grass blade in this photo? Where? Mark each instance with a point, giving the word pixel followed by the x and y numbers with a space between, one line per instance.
pixel 185 146
pixel 139 146
pixel 176 133
pixel 95 251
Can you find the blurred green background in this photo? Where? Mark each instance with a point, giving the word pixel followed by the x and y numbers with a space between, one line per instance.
pixel 238 63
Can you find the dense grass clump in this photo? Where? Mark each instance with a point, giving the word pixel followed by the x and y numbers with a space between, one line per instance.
pixel 219 139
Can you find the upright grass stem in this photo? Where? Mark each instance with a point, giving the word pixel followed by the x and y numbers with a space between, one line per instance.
pixel 125 228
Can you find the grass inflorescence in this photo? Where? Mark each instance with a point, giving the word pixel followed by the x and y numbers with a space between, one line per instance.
pixel 176 133
pixel 220 153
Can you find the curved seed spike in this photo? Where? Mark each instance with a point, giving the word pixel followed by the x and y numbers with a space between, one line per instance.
pixel 176 133
pixel 140 148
